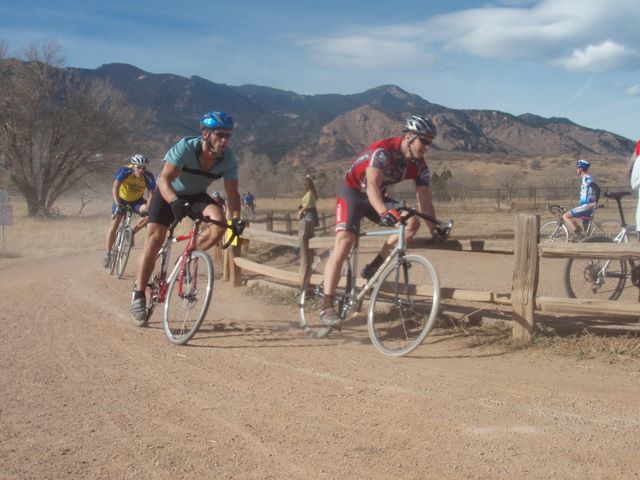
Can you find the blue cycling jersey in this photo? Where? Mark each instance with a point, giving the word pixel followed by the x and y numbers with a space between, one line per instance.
pixel 192 179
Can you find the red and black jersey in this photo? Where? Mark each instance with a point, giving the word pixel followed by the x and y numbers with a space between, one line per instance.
pixel 387 156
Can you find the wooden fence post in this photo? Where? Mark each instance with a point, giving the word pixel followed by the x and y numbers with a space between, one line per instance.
pixel 525 276
pixel 270 221
pixel 231 272
pixel 287 219
pixel 305 259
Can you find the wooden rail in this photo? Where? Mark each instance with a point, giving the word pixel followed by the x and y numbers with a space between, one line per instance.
pixel 523 296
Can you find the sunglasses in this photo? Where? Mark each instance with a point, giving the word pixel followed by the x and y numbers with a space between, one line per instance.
pixel 140 168
pixel 222 135
pixel 425 141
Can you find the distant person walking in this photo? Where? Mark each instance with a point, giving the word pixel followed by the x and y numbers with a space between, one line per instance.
pixel 589 195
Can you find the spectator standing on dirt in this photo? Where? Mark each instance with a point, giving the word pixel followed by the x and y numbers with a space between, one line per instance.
pixel 363 194
pixel 633 171
pixel 128 188
pixel 589 195
pixel 190 166
pixel 307 211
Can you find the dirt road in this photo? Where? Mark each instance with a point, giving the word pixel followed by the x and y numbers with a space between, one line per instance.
pixel 85 394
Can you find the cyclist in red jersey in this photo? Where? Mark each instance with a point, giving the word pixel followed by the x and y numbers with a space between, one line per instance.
pixel 363 194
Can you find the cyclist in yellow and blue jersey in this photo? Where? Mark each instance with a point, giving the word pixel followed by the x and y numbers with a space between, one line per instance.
pixel 129 185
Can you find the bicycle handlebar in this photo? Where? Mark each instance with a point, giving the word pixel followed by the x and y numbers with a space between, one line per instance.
pixel 444 228
pixel 236 226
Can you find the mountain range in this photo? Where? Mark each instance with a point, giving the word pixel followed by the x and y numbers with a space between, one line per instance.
pixel 301 130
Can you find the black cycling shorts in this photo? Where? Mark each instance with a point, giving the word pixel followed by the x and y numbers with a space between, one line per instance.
pixel 160 210
pixel 352 206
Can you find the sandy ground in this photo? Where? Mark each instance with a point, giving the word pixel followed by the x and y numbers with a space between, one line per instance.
pixel 85 394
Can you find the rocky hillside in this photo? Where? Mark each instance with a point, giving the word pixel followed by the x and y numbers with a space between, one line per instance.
pixel 302 129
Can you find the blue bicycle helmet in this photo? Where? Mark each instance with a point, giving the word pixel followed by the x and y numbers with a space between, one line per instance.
pixel 215 120
pixel 583 164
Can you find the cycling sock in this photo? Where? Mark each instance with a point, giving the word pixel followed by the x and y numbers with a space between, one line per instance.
pixel 327 301
pixel 138 294
pixel 376 262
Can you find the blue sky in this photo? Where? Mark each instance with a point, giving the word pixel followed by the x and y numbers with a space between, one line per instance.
pixel 578 59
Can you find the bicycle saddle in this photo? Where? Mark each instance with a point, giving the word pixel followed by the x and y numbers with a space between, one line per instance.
pixel 616 195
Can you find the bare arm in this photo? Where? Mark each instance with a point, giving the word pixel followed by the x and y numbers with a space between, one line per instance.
pixel 233 196
pixel 374 181
pixel 168 174
pixel 114 191
pixel 425 203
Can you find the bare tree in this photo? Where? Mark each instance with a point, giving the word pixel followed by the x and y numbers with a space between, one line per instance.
pixel 509 181
pixel 55 127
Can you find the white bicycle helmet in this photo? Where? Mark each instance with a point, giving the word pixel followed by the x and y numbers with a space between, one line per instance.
pixel 140 160
pixel 421 126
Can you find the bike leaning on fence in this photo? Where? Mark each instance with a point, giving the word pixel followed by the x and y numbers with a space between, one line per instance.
pixel 405 293
pixel 602 278
pixel 557 231
pixel 124 241
pixel 186 291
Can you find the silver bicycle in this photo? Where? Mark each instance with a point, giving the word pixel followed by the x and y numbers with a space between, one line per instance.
pixel 405 293
pixel 557 231
pixel 597 278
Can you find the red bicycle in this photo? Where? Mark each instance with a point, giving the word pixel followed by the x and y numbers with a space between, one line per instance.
pixel 186 291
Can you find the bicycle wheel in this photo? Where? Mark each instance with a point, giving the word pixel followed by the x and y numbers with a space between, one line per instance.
pixel 312 296
pixel 404 305
pixel 554 232
pixel 124 249
pixel 188 296
pixel 595 278
pixel 113 258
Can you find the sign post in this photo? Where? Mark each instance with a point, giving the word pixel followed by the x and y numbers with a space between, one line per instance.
pixel 6 214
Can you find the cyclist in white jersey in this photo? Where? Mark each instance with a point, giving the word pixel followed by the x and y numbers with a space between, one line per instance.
pixel 589 195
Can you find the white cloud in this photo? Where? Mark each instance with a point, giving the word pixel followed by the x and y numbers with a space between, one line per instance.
pixel 634 90
pixel 363 52
pixel 573 34
pixel 598 58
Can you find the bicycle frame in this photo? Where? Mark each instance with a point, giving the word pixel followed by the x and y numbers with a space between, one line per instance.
pixel 398 251
pixel 165 253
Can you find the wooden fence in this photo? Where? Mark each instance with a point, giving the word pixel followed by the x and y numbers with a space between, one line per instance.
pixel 522 297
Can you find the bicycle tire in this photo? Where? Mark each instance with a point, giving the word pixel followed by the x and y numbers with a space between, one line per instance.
pixel 124 250
pixel 584 278
pixel 404 305
pixel 181 324
pixel 113 258
pixel 312 296
pixel 554 232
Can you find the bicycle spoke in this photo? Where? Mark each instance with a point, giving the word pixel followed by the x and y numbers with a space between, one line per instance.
pixel 592 278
